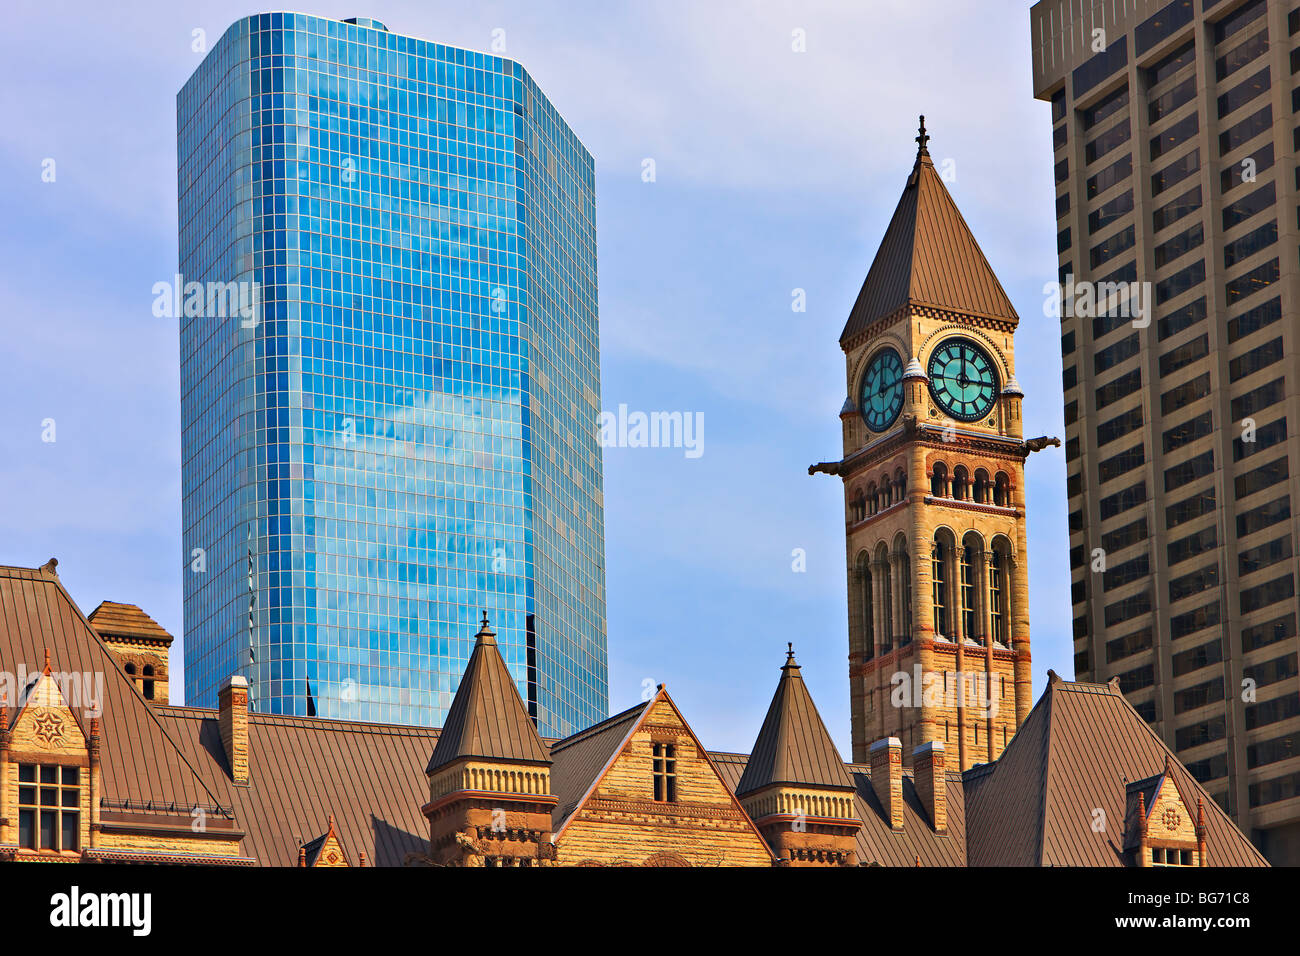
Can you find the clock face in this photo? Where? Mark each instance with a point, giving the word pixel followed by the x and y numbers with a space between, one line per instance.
pixel 882 390
pixel 962 379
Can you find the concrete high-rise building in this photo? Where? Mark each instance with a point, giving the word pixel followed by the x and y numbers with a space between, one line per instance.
pixel 400 431
pixel 1176 134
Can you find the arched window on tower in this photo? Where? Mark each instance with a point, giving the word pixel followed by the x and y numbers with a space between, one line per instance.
pixel 938 479
pixel 900 485
pixel 873 499
pixel 1000 591
pixel 981 486
pixel 968 619
pixel 148 684
pixel 905 598
pixel 1002 490
pixel 960 482
pixel 886 601
pixel 940 577
pixel 858 508
pixel 996 617
pixel 866 607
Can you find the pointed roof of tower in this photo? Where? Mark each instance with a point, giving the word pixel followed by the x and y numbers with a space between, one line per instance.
pixel 928 258
pixel 793 746
pixel 487 718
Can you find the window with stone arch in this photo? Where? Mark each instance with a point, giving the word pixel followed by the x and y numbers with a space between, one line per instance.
pixel 960 483
pixel 1002 490
pixel 865 606
pixel 941 576
pixel 939 480
pixel 886 599
pixel 981 486
pixel 972 546
pixel 904 563
pixel 999 581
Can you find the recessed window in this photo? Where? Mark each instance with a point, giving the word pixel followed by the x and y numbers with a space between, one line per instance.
pixel 665 772
pixel 1168 857
pixel 49 807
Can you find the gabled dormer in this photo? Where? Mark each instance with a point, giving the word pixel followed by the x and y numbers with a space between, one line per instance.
pixel 489 776
pixel 49 772
pixel 1160 828
pixel 795 786
pixel 325 850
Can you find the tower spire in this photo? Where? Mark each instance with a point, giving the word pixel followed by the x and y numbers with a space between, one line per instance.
pixel 922 138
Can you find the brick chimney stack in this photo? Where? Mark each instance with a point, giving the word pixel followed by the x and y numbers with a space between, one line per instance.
pixel 931 779
pixel 887 778
pixel 232 717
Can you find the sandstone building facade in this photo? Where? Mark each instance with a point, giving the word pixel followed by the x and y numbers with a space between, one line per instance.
pixel 93 770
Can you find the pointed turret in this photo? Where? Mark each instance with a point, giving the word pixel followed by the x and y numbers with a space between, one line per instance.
pixel 487 718
pixel 929 259
pixel 489 775
pixel 795 786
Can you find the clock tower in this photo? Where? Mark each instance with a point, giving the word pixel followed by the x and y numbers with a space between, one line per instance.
pixel 933 473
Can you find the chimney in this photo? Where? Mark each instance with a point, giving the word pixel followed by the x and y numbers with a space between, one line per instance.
pixel 931 780
pixel 887 778
pixel 232 717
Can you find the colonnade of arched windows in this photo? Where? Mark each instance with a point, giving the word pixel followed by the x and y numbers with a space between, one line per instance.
pixel 882 594
pixel 971 583
pixel 878 494
pixel 961 485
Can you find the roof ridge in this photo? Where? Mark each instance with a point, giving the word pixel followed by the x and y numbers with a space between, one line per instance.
pixel 605 724
pixel 572 809
pixel 1046 758
pixel 53 579
pixel 188 711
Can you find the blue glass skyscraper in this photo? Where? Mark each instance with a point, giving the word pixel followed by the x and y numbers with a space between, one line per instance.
pixel 403 431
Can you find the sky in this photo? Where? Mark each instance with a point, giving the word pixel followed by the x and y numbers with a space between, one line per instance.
pixel 776 170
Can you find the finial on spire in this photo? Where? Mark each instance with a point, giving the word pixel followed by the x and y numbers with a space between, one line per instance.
pixel 922 138
pixel 485 633
pixel 789 654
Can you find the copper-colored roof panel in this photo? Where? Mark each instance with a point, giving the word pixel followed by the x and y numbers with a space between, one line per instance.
pixel 302 770
pixel 141 765
pixel 928 257
pixel 487 718
pixel 1058 795
pixel 793 746
pixel 578 760
pixel 877 842
pixel 126 620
